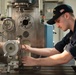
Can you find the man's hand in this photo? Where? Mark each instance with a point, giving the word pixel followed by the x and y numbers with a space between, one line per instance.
pixel 29 61
pixel 26 47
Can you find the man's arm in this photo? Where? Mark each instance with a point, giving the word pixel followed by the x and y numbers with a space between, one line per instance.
pixel 53 60
pixel 45 51
pixel 57 59
pixel 41 51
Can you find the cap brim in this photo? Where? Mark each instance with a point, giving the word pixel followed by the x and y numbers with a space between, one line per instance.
pixel 51 21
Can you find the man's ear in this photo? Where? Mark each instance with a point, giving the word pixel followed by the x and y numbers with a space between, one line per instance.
pixel 67 15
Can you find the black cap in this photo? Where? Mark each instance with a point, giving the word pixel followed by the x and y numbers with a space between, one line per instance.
pixel 58 11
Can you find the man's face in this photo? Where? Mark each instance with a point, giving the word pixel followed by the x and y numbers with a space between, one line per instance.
pixel 62 22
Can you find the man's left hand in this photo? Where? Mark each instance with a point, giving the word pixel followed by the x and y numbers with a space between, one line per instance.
pixel 29 61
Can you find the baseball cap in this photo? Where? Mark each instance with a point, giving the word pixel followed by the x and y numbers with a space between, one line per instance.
pixel 58 11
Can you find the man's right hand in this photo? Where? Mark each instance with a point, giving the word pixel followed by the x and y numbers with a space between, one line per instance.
pixel 26 47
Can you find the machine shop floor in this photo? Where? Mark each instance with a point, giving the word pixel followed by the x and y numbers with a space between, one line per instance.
pixel 57 70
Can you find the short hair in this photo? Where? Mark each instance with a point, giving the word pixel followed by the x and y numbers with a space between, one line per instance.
pixel 71 14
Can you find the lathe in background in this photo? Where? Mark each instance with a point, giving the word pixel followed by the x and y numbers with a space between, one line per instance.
pixel 24 23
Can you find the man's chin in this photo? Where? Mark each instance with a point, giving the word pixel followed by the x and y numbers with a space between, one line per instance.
pixel 64 30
